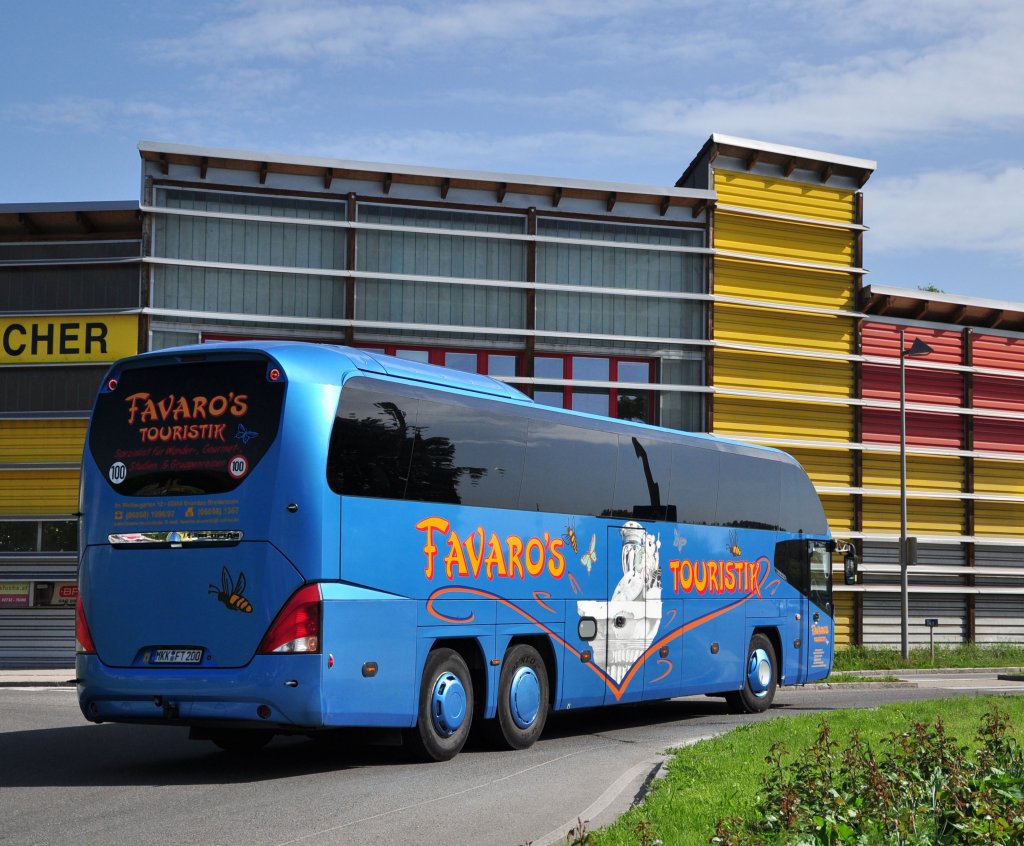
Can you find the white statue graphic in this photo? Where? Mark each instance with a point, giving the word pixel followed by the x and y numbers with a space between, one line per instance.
pixel 628 622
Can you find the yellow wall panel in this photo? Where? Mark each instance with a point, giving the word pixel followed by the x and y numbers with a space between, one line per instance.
pixel 924 517
pixel 999 519
pixel 782 374
pixel 783 239
pixel 843 612
pixel 41 441
pixel 826 467
pixel 782 284
pixel 784 196
pixel 769 328
pixel 38 491
pixel 924 472
pixel 839 511
pixel 1005 478
pixel 778 419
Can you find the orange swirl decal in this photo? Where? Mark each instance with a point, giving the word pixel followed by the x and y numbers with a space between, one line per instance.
pixel 539 596
pixel 617 689
pixel 668 669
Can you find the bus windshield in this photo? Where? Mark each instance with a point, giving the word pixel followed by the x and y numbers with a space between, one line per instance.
pixel 196 428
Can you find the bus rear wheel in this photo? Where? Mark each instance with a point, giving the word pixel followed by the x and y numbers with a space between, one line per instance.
pixel 760 678
pixel 522 698
pixel 445 707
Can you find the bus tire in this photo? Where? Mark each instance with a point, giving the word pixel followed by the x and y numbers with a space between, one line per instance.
pixel 445 707
pixel 523 698
pixel 760 678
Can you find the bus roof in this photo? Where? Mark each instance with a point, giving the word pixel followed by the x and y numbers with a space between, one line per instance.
pixel 333 364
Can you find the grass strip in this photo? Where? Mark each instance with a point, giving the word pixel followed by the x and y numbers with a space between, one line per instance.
pixel 720 778
pixel 946 657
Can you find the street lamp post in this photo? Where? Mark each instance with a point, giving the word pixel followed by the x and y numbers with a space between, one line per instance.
pixel 918 348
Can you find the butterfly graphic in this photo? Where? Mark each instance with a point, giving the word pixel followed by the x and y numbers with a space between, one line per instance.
pixel 590 556
pixel 680 541
pixel 245 435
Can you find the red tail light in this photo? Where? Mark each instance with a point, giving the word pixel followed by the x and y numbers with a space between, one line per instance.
pixel 297 627
pixel 83 639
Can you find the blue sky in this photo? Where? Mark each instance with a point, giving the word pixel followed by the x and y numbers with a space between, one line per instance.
pixel 932 90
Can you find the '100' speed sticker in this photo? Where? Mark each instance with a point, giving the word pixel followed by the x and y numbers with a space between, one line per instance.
pixel 238 466
pixel 117 473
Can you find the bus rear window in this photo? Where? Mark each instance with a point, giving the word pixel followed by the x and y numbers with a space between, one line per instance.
pixel 185 428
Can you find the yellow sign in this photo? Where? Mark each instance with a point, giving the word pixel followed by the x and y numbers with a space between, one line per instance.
pixel 38 340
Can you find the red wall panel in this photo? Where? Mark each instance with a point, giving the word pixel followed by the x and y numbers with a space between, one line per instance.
pixel 998 435
pixel 998 352
pixel 1003 392
pixel 883 339
pixel 882 426
pixel 934 387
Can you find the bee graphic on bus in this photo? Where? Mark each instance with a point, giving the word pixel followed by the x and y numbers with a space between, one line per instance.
pixel 570 536
pixel 232 594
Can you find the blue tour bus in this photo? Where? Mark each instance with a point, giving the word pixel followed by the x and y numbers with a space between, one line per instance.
pixel 286 538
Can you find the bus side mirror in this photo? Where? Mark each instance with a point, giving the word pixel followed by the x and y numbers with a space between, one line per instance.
pixel 850 569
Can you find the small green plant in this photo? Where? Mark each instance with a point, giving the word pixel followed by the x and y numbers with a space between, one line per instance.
pixel 922 789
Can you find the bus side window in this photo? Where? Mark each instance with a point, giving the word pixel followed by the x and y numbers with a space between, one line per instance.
pixel 642 479
pixel 749 490
pixel 801 508
pixel 569 469
pixel 694 488
pixel 467 453
pixel 371 443
pixel 792 563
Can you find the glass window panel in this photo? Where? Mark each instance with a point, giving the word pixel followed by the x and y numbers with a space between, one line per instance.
pixel 548 368
pixel 20 536
pixel 633 405
pixel 695 484
pixel 422 356
pixel 461 361
pixel 592 401
pixel 801 509
pixel 371 442
pixel 549 396
pixel 634 371
pixel 467 453
pixel 749 491
pixel 570 470
pixel 60 536
pixel 642 479
pixel 590 369
pixel 501 365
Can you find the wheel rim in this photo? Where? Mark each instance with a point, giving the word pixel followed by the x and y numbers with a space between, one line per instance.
pixel 524 697
pixel 448 704
pixel 759 673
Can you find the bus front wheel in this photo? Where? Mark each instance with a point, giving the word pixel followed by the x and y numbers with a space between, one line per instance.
pixel 445 707
pixel 522 698
pixel 760 678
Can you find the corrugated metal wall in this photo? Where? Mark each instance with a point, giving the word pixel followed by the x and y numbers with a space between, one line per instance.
pixel 37 637
pixel 41 441
pixel 743 228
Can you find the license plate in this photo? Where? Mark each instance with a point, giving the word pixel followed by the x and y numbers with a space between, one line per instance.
pixel 176 656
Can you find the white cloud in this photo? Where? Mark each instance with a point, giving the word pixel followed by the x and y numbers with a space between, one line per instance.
pixel 970 76
pixel 313 30
pixel 966 211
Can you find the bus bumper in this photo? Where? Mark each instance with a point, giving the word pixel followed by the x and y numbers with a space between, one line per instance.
pixel 272 692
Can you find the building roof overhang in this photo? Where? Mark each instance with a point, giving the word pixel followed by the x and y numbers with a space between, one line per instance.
pixel 937 307
pixel 444 179
pixel 69 221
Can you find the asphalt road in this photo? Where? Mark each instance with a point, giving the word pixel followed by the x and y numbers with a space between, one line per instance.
pixel 64 781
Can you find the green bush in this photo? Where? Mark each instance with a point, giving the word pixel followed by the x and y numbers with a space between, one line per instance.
pixel 922 789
